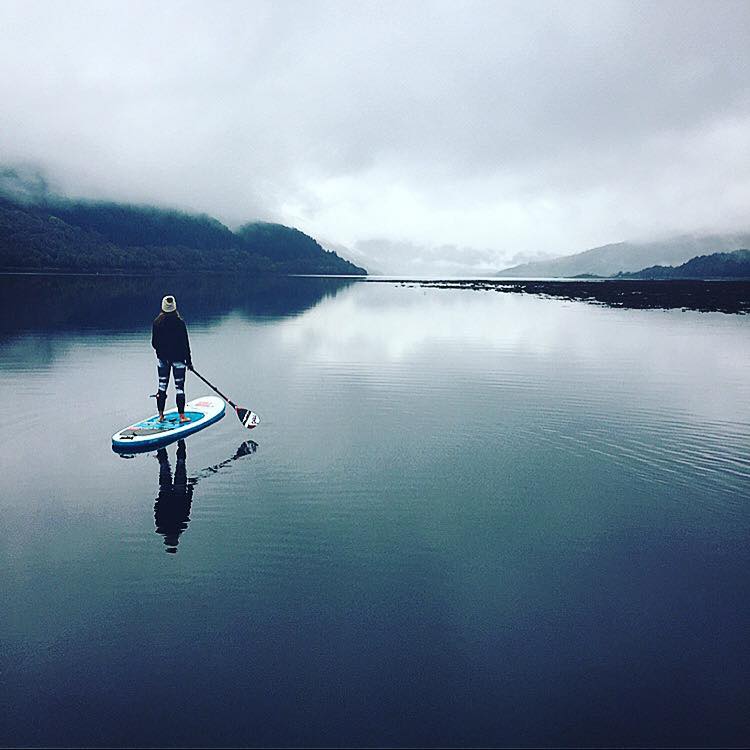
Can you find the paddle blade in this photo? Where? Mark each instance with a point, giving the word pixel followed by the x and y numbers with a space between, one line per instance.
pixel 248 418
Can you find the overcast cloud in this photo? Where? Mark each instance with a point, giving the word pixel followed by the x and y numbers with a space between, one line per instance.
pixel 466 133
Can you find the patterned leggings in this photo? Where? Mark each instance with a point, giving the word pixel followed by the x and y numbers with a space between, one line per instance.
pixel 178 369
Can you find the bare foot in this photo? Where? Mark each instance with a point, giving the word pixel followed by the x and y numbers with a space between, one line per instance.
pixel 161 416
pixel 184 418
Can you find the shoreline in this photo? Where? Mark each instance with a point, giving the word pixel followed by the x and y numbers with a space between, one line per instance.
pixel 730 296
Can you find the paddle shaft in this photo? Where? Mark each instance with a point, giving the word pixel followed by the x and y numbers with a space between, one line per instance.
pixel 213 387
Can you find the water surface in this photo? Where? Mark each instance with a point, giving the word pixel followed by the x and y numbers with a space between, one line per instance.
pixel 467 518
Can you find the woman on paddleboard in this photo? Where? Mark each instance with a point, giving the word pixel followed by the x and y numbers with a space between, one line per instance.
pixel 169 337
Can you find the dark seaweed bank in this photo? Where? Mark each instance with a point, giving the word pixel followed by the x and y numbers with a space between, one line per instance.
pixel 684 294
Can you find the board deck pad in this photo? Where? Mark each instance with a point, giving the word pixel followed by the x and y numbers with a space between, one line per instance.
pixel 150 432
pixel 153 426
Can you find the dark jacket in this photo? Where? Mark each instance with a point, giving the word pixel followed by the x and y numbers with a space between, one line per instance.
pixel 169 337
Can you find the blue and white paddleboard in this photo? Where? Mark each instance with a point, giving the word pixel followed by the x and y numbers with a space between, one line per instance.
pixel 151 433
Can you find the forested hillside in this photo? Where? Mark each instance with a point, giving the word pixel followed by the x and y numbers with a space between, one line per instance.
pixel 57 234
pixel 735 265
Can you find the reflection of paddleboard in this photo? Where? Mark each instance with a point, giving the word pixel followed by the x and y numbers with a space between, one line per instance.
pixel 149 433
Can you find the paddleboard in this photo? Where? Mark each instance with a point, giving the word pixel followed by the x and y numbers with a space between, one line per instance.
pixel 150 433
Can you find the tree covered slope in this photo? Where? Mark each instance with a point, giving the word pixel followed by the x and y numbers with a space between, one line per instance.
pixel 609 260
pixel 53 233
pixel 734 265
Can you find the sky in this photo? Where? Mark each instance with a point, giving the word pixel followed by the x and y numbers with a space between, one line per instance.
pixel 454 136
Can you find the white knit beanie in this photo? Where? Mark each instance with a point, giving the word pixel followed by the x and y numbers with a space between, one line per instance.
pixel 169 304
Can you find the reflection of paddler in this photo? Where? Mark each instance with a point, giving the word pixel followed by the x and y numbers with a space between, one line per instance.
pixel 172 508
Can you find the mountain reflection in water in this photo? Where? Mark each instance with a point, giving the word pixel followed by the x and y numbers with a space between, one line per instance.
pixel 29 302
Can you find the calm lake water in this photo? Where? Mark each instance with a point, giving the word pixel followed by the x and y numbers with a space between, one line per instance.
pixel 467 518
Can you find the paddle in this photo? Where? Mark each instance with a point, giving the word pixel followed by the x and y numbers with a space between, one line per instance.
pixel 248 418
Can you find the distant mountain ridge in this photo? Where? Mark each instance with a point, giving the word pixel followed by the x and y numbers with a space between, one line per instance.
pixel 734 265
pixel 40 231
pixel 609 260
